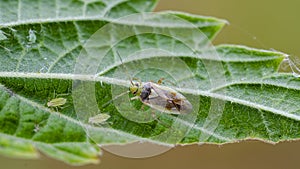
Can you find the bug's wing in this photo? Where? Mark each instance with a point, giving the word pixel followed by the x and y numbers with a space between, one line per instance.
pixel 161 91
pixel 169 100
pixel 162 105
pixel 169 106
pixel 185 106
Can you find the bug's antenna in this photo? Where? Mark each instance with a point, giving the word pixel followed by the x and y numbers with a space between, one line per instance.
pixel 107 103
pixel 127 73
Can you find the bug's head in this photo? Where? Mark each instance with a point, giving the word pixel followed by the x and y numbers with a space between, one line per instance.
pixel 135 89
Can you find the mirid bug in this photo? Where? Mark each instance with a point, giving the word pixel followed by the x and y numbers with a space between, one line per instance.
pixel 161 98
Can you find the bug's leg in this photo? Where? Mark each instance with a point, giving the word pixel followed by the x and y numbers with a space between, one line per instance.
pixel 162 113
pixel 62 94
pixel 110 101
pixel 143 107
pixel 152 96
pixel 104 124
pixel 159 121
pixel 135 98
pixel 64 107
pixel 153 115
pixel 139 80
pixel 160 81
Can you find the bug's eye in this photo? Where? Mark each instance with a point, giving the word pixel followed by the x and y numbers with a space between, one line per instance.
pixel 133 89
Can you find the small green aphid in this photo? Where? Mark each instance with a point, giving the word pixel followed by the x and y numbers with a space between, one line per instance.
pixel 161 98
pixel 57 102
pixel 99 119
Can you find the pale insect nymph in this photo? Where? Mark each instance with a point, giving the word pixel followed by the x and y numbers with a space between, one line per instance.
pixel 99 119
pixel 158 97
pixel 57 102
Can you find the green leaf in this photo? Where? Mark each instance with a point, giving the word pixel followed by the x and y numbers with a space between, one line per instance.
pixel 70 51
pixel 17 147
pixel 25 12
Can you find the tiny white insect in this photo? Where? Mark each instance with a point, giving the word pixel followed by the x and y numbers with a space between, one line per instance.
pixel 31 37
pixel 36 128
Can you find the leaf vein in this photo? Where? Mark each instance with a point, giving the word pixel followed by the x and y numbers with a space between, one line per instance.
pixel 62 56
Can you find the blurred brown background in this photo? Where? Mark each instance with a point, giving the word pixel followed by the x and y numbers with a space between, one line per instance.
pixel 266 24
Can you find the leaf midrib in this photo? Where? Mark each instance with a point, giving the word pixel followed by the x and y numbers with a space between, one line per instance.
pixel 211 93
pixel 101 18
